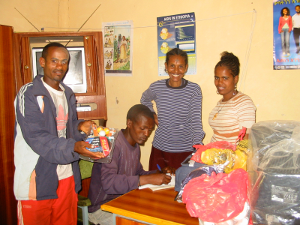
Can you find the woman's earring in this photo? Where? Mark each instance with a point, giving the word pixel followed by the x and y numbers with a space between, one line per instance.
pixel 166 70
pixel 235 90
pixel 217 92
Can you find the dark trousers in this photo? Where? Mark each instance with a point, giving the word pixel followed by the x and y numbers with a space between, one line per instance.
pixel 164 159
pixel 296 33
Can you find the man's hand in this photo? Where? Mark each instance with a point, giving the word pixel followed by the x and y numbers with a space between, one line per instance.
pixel 86 126
pixel 80 148
pixel 155 178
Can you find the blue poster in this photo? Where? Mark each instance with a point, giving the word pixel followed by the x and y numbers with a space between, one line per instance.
pixel 176 31
pixel 286 34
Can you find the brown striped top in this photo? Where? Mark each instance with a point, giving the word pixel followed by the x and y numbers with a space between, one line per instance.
pixel 229 117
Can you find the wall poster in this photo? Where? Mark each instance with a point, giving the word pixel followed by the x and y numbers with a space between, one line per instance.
pixel 117 41
pixel 176 31
pixel 286 34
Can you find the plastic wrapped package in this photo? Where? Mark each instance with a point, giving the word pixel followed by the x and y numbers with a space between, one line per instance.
pixel 221 152
pixel 276 165
pixel 110 144
pixel 204 169
pixel 276 199
pixel 187 166
pixel 217 198
pixel 276 146
pixel 219 145
pixel 219 156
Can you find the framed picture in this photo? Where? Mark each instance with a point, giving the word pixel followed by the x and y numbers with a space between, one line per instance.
pixel 76 75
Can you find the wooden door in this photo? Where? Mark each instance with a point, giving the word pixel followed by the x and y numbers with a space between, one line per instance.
pixel 8 206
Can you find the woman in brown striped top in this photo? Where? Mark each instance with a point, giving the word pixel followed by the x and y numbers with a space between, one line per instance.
pixel 235 110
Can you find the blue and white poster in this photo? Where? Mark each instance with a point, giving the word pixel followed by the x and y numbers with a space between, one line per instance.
pixel 286 34
pixel 176 31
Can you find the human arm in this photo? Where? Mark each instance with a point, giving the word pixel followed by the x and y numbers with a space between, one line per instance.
pixel 81 148
pixel 122 174
pixel 40 132
pixel 293 22
pixel 125 43
pixel 246 112
pixel 290 23
pixel 280 25
pixel 35 117
pixel 157 178
pixel 195 116
pixel 147 97
pixel 81 129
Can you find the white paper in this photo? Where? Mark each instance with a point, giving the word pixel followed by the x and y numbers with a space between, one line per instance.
pixel 159 187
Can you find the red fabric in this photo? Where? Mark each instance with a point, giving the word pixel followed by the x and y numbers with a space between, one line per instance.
pixel 164 159
pixel 62 210
pixel 218 144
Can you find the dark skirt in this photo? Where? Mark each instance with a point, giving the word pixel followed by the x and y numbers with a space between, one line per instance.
pixel 164 159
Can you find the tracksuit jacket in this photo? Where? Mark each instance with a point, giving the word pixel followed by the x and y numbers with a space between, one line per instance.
pixel 37 148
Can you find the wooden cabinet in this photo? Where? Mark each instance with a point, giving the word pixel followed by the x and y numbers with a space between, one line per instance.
pixel 93 46
pixel 8 206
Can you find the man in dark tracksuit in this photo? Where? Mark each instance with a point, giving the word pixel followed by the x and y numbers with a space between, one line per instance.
pixel 48 142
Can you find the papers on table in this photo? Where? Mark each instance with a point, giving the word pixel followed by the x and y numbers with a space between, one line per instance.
pixel 159 187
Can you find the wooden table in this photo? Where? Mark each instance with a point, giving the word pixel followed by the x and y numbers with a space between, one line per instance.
pixel 149 207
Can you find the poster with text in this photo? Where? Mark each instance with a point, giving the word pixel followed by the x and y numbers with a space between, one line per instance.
pixel 117 49
pixel 176 31
pixel 286 35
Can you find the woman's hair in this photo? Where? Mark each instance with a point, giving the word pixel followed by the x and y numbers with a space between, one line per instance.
pixel 288 11
pixel 177 51
pixel 231 62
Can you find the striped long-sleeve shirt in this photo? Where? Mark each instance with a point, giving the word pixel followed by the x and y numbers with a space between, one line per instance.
pixel 229 117
pixel 179 115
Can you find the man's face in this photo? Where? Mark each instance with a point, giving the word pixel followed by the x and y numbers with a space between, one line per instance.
pixel 140 129
pixel 297 9
pixel 55 65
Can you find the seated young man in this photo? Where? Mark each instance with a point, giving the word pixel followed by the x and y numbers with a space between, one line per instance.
pixel 125 172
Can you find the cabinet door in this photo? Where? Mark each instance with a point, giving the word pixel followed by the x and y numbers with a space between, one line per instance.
pixel 95 75
pixel 8 206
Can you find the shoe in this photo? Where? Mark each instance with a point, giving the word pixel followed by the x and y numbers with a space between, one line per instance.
pixel 283 53
pixel 288 55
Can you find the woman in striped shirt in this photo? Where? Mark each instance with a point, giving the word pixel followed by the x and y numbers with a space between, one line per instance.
pixel 235 110
pixel 179 105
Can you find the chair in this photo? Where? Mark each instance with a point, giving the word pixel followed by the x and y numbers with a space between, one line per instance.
pixel 83 201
